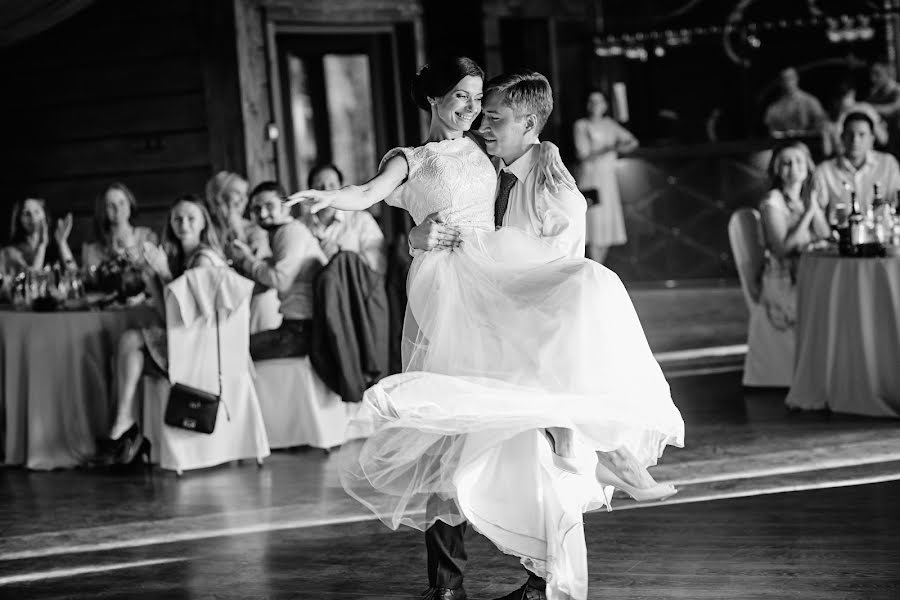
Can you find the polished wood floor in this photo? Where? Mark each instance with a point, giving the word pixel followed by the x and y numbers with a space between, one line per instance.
pixel 772 504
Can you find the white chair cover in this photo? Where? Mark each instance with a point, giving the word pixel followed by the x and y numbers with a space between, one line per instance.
pixel 265 311
pixel 770 351
pixel 297 407
pixel 190 320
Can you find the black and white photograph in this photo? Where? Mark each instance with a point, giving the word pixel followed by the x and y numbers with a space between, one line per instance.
pixel 450 299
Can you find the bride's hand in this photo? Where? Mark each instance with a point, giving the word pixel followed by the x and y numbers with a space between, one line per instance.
pixel 552 171
pixel 315 200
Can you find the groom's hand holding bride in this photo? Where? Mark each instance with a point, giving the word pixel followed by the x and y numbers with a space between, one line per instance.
pixel 432 234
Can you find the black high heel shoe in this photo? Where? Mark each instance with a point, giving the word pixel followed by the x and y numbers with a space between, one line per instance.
pixel 109 450
pixel 132 449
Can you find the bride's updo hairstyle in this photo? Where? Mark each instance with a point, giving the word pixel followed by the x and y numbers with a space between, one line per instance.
pixel 438 77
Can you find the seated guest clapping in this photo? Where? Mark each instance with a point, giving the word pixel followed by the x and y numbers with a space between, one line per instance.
pixel 30 245
pixel 189 241
pixel 351 231
pixel 858 167
pixel 114 229
pixel 226 201
pixel 792 219
pixel 296 260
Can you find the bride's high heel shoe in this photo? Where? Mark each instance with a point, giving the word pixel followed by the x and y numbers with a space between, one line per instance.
pixel 561 462
pixel 657 491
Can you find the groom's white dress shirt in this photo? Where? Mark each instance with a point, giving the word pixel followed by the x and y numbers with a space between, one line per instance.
pixel 556 217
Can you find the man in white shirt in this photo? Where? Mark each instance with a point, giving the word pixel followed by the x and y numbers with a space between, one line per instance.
pixel 515 108
pixel 351 231
pixel 795 112
pixel 857 168
pixel 296 260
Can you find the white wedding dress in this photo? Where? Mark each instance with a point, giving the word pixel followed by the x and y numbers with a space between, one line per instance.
pixel 504 337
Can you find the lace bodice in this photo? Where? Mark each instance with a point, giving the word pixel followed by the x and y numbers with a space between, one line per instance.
pixel 453 178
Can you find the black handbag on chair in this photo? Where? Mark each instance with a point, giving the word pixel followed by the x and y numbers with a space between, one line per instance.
pixel 195 409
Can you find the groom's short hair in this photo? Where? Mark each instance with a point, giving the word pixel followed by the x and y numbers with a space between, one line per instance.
pixel 525 92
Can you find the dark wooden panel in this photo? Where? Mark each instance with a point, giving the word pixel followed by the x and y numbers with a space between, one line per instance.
pixel 102 119
pixel 223 95
pixel 102 83
pixel 117 44
pixel 255 89
pixel 342 11
pixel 108 156
pixel 151 189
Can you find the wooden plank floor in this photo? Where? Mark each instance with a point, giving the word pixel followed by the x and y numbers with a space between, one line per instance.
pixel 287 530
pixel 832 544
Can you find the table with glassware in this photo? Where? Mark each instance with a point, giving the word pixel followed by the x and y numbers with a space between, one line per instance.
pixel 848 334
pixel 56 367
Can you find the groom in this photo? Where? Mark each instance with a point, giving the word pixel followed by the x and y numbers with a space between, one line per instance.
pixel 515 109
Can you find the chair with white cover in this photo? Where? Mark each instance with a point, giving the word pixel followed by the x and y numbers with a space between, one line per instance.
pixel 770 351
pixel 191 304
pixel 298 408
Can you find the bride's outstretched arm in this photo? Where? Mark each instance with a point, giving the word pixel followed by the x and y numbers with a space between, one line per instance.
pixel 357 197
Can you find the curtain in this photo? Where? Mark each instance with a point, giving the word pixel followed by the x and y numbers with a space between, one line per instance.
pixel 21 19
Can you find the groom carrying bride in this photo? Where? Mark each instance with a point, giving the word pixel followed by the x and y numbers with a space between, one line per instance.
pixel 515 109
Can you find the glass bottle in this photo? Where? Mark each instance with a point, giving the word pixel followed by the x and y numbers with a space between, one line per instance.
pixel 857 223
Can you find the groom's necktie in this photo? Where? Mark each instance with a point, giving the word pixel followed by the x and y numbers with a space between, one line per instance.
pixel 507 180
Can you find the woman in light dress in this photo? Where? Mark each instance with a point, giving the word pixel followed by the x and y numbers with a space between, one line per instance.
pixel 599 140
pixel 115 233
pixel 504 337
pixel 792 220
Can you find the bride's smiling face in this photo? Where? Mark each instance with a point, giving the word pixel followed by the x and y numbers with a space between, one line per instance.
pixel 458 108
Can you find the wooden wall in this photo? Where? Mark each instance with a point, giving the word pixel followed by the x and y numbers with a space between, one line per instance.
pixel 552 37
pixel 131 90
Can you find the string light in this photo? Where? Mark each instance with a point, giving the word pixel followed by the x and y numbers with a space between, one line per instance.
pixel 640 46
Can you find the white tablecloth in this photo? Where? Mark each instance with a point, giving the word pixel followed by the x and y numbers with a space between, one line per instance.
pixel 55 376
pixel 848 335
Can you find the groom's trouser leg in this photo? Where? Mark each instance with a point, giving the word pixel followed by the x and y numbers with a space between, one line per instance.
pixel 446 554
pixel 536 582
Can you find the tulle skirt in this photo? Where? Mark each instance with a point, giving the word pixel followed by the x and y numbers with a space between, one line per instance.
pixel 503 338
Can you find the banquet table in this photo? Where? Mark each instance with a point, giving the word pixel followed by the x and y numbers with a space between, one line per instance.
pixel 848 335
pixel 55 382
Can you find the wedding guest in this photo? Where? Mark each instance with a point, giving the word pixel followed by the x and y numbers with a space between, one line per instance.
pixel 296 260
pixel 792 220
pixel 30 245
pixel 599 139
pixel 189 241
pixel 226 201
pixel 845 102
pixel 884 97
pixel 796 112
pixel 859 167
pixel 336 230
pixel 116 234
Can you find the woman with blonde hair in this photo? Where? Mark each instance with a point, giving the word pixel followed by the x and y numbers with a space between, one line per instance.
pixel 226 201
pixel 792 219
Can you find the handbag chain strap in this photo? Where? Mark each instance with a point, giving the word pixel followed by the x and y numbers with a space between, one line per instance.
pixel 219 345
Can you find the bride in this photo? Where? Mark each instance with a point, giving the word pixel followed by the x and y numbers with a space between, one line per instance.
pixel 504 339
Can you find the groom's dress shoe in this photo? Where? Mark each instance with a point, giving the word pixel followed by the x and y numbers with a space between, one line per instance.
pixel 526 592
pixel 438 593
